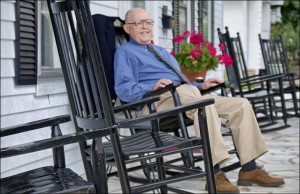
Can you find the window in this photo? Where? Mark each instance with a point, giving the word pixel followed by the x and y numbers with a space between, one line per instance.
pixel 36 51
pixel 140 4
pixel 204 19
pixel 49 63
pixel 182 16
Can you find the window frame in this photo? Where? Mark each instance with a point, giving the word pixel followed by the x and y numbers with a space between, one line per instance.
pixel 138 3
pixel 183 15
pixel 47 72
pixel 50 80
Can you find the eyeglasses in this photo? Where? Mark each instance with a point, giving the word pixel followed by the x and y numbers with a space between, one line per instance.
pixel 140 23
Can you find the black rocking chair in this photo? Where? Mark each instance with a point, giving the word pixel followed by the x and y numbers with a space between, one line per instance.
pixel 276 63
pixel 110 35
pixel 48 179
pixel 92 109
pixel 255 88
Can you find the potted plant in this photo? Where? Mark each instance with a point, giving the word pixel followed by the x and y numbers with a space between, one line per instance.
pixel 198 55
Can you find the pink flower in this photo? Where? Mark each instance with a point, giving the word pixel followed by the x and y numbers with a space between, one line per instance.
pixel 222 46
pixel 225 59
pixel 178 38
pixel 186 34
pixel 196 38
pixel 211 49
pixel 202 53
pixel 195 53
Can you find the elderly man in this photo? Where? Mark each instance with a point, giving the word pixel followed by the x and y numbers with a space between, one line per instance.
pixel 138 72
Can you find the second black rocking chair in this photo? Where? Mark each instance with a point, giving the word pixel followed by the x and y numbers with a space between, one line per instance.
pixel 92 109
pixel 255 88
pixel 276 63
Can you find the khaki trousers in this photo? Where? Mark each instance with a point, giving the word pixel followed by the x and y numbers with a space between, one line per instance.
pixel 240 119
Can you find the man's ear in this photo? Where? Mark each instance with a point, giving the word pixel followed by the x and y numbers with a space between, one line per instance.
pixel 126 28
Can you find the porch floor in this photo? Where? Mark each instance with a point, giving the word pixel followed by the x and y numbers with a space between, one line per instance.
pixel 281 160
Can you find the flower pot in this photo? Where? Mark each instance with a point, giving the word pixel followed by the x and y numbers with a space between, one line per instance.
pixel 194 76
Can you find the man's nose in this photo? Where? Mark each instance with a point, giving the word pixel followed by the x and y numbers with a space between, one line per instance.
pixel 144 24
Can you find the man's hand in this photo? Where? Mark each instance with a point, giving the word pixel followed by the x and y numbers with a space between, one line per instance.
pixel 211 82
pixel 162 83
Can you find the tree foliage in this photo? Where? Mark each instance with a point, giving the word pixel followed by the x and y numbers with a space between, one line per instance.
pixel 290 12
pixel 288 28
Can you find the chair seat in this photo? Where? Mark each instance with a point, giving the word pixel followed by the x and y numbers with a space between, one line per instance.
pixel 288 89
pixel 149 141
pixel 46 180
pixel 171 124
pixel 167 124
pixel 257 94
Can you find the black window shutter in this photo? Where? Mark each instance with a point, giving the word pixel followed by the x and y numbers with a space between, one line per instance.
pixel 26 42
pixel 200 19
pixel 176 24
pixel 212 21
pixel 192 15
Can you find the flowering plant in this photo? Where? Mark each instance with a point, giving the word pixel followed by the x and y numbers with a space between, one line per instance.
pixel 197 54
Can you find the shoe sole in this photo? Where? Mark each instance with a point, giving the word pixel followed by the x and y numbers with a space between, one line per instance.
pixel 250 183
pixel 227 192
pixel 232 192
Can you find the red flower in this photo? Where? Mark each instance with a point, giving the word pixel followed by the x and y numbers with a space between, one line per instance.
pixel 222 46
pixel 196 53
pixel 225 59
pixel 178 38
pixel 211 49
pixel 196 38
pixel 186 34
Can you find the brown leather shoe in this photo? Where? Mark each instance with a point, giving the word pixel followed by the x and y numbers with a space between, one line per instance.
pixel 260 177
pixel 223 185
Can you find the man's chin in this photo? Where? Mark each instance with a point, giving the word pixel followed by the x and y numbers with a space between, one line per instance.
pixel 145 42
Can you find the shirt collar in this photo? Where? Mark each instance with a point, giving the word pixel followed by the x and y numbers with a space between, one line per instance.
pixel 132 41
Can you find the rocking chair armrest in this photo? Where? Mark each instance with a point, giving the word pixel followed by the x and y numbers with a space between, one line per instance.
pixel 136 104
pixel 217 87
pixel 34 125
pixel 169 87
pixel 148 99
pixel 230 84
pixel 262 79
pixel 52 142
pixel 166 113
pixel 262 72
pixel 254 77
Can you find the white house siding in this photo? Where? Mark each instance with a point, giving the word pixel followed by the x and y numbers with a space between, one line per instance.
pixel 218 23
pixel 164 36
pixel 109 8
pixel 236 19
pixel 20 104
pixel 249 18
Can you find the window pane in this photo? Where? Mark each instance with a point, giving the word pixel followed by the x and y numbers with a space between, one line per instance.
pixel 49 53
pixel 140 4
pixel 182 17
pixel 205 20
